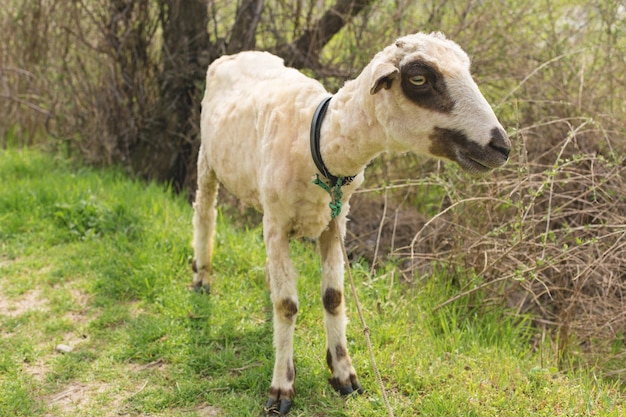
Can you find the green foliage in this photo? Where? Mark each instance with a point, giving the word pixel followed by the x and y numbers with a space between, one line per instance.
pixel 89 219
pixel 16 397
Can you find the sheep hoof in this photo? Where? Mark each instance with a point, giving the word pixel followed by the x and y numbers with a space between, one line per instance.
pixel 352 387
pixel 349 390
pixel 201 288
pixel 276 407
pixel 199 276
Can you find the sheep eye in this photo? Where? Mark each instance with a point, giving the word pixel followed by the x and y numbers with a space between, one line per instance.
pixel 418 80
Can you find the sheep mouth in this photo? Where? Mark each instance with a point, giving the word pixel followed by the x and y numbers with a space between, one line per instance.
pixel 472 157
pixel 473 165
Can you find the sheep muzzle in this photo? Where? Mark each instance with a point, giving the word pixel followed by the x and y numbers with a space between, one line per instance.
pixel 469 155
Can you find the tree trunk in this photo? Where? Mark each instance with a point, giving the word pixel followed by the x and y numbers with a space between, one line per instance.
pixel 169 145
pixel 305 51
pixel 243 34
pixel 185 59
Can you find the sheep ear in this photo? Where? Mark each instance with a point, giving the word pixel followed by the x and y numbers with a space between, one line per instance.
pixel 383 74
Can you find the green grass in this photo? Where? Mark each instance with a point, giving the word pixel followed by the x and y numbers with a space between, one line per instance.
pixel 93 260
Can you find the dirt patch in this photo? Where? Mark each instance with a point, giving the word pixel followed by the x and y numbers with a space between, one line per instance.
pixel 29 301
pixel 158 364
pixel 81 396
pixel 208 411
pixel 6 262
pixel 79 315
pixel 37 370
pixel 77 398
pixel 73 396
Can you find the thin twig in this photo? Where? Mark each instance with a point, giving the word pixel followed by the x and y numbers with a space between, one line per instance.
pixel 552 179
pixel 380 231
pixel 366 330
pixel 536 70
pixel 441 213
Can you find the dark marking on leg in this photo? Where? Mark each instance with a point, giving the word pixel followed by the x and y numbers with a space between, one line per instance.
pixel 329 360
pixel 332 300
pixel 199 286
pixel 288 308
pixel 335 383
pixel 340 352
pixel 291 372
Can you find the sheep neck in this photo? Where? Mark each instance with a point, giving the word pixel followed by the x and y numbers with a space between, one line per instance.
pixel 316 125
pixel 351 135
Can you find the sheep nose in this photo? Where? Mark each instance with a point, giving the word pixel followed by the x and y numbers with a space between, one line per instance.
pixel 500 142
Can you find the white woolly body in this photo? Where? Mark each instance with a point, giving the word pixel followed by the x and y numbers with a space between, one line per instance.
pixel 261 150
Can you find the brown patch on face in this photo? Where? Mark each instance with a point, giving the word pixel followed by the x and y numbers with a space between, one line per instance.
pixel 288 308
pixel 332 300
pixel 432 93
pixel 445 142
pixel 456 146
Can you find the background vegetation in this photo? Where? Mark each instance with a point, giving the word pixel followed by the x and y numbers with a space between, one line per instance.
pixel 118 82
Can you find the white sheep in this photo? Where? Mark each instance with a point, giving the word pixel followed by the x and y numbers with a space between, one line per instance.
pixel 416 95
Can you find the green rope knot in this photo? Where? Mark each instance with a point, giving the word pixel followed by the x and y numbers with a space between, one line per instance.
pixel 335 194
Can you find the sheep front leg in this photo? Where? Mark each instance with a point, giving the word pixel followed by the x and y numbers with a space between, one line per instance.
pixel 282 283
pixel 343 378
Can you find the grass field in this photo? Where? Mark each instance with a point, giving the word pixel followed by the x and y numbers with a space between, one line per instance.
pixel 97 319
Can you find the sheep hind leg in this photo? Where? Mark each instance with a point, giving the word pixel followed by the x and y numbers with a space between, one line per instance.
pixel 343 376
pixel 204 218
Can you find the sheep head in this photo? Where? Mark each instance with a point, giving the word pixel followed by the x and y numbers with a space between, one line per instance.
pixel 428 103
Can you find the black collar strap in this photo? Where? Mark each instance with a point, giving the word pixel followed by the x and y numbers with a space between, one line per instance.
pixel 316 125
